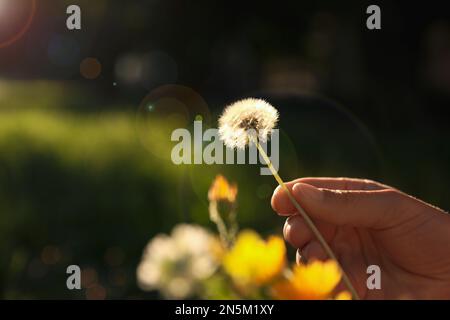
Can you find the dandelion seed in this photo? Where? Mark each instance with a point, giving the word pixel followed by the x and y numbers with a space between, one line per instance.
pixel 244 118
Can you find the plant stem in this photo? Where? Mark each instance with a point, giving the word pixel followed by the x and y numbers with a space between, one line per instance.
pixel 215 217
pixel 307 219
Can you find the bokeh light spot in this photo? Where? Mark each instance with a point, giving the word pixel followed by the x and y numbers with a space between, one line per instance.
pixel 50 255
pixel 63 51
pixel 90 68
pixel 114 256
pixel 96 292
pixel 146 69
pixel 89 277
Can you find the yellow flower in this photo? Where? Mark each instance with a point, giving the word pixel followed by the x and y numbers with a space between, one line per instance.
pixel 344 295
pixel 253 261
pixel 313 281
pixel 222 190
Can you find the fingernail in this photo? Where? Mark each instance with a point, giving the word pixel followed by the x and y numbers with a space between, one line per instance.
pixel 314 251
pixel 286 228
pixel 307 191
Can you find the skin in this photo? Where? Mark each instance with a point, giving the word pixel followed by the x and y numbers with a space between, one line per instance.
pixel 368 223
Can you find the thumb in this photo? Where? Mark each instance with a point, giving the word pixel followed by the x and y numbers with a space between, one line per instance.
pixel 371 209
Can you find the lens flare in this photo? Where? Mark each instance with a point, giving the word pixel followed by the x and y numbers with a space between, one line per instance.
pixel 4 7
pixel 164 110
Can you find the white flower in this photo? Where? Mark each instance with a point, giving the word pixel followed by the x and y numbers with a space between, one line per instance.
pixel 176 264
pixel 244 118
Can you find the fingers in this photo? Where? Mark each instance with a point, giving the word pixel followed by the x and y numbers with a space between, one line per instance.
pixel 371 205
pixel 311 251
pixel 282 204
pixel 314 251
pixel 298 234
pixel 372 209
pixel 342 183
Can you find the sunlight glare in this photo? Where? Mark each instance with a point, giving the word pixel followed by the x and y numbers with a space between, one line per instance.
pixel 3 6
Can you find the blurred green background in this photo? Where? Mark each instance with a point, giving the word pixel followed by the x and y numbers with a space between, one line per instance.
pixel 85 170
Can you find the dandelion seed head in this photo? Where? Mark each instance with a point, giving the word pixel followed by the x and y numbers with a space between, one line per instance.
pixel 246 118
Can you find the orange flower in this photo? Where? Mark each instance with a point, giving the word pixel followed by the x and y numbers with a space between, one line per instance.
pixel 344 295
pixel 222 190
pixel 313 281
pixel 253 261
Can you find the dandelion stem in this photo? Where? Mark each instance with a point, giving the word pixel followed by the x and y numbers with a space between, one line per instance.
pixel 306 217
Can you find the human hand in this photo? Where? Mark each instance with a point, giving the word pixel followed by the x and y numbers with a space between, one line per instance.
pixel 368 223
